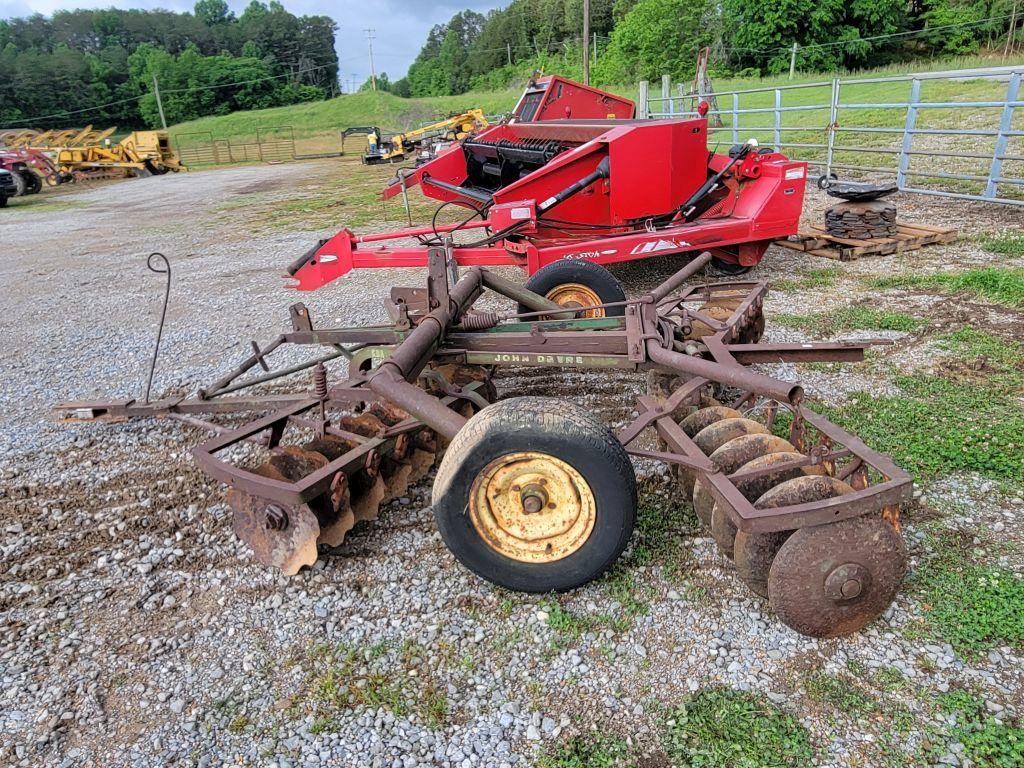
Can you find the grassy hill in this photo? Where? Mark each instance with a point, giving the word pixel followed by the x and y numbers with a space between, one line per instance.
pixel 316 124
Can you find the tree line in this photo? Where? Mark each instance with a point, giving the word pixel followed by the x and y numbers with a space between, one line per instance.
pixel 55 71
pixel 644 39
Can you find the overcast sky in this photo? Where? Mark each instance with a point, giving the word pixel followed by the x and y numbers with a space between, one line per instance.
pixel 401 25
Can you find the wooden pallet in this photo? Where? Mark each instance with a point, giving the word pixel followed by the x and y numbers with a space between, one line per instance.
pixel 816 241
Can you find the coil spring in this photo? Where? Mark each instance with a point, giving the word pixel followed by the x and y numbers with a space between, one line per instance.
pixel 480 321
pixel 320 381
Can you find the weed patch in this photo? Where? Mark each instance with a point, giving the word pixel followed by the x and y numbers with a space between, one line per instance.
pixel 849 319
pixel 970 606
pixel 720 726
pixel 348 677
pixel 1002 285
pixel 988 742
pixel 937 426
pixel 807 280
pixel 843 693
pixel 1008 243
pixel 598 751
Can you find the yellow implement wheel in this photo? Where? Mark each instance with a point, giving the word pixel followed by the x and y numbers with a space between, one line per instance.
pixel 535 494
pixel 576 296
pixel 578 284
pixel 532 507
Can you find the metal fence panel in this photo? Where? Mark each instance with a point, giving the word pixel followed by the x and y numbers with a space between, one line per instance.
pixel 957 133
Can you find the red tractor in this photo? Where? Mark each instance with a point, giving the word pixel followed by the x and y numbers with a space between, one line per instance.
pixel 571 181
pixel 29 168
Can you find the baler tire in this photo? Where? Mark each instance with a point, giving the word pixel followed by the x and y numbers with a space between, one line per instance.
pixel 516 432
pixel 3 201
pixel 723 267
pixel 596 278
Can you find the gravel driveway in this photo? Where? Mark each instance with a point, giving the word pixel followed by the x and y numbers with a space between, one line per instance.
pixel 135 630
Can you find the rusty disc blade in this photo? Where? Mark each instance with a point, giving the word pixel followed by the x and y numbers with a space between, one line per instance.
pixel 421 462
pixel 722 530
pixel 755 487
pixel 366 504
pixel 714 436
pixel 831 580
pixel 396 476
pixel 730 457
pixel 700 329
pixel 754 552
pixel 279 536
pixel 704 417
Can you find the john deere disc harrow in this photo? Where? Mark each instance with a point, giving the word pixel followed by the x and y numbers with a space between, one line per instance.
pixel 535 494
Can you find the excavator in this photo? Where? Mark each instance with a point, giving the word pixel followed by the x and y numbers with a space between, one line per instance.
pixel 422 142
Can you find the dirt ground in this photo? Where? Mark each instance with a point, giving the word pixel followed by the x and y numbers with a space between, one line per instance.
pixel 136 630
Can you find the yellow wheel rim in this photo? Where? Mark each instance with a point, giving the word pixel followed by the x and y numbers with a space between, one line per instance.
pixel 576 296
pixel 532 507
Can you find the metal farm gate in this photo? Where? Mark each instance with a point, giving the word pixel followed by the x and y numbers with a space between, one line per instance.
pixel 272 145
pixel 956 134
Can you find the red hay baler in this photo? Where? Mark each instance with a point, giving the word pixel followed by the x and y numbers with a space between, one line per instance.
pixel 596 189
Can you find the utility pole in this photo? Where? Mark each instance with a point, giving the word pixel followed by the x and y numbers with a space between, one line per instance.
pixel 595 48
pixel 792 61
pixel 355 83
pixel 369 43
pixel 159 104
pixel 586 42
pixel 508 49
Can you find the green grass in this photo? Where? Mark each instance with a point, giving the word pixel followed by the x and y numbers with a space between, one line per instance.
pixel 937 426
pixel 806 280
pixel 384 110
pixel 723 727
pixel 595 751
pixel 348 677
pixel 843 693
pixel 316 124
pixel 1008 243
pixel 850 318
pixel 971 606
pixel 988 742
pixel 967 419
pixel 1002 285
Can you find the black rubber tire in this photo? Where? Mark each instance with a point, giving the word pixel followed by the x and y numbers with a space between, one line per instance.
pixel 723 267
pixel 825 180
pixel 3 201
pixel 564 430
pixel 20 185
pixel 33 184
pixel 594 276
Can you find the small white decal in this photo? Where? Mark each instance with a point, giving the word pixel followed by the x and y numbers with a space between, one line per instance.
pixel 794 173
pixel 655 246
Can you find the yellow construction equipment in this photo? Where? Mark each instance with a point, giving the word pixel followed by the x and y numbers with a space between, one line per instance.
pixel 422 142
pixel 90 153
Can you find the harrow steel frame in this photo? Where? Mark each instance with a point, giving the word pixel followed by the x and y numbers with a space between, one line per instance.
pixel 825 533
pixel 451 332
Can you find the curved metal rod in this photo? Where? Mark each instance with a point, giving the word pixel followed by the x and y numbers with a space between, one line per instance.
pixel 163 312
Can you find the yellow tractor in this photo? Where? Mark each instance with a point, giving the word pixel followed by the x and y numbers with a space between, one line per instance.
pixel 422 142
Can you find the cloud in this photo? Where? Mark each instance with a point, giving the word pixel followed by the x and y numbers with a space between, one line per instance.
pixel 400 26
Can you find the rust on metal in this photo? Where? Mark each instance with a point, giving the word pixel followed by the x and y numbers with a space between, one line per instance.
pixel 532 507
